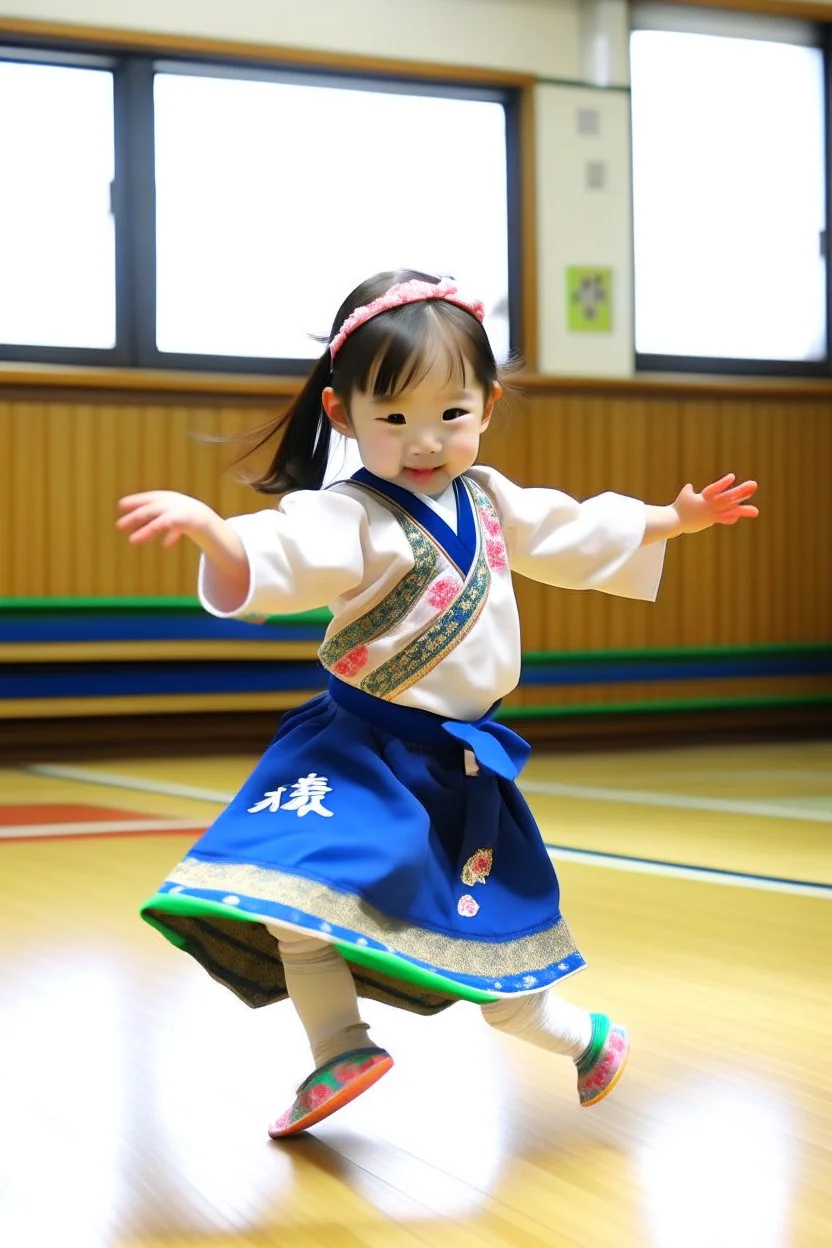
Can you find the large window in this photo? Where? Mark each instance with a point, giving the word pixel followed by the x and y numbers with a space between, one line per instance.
pixel 729 197
pixel 215 216
pixel 57 241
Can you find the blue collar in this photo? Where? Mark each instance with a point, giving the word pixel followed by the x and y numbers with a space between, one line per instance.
pixel 461 547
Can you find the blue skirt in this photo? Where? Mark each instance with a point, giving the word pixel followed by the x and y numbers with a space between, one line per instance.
pixel 362 826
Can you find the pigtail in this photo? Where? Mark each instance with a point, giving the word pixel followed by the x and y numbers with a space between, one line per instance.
pixel 301 458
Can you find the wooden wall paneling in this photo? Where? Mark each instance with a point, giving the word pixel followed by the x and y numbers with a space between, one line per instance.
pixel 818 580
pixel 137 568
pixel 670 615
pixel 86 533
pixel 100 562
pixel 776 571
pixel 8 515
pixel 805 485
pixel 180 558
pixel 590 467
pixel 737 540
pixel 630 448
pixel 234 496
pixel 30 498
pixel 66 462
pixel 6 524
pixel 62 494
pixel 195 469
pixel 151 466
pixel 700 553
pixel 762 554
pixel 569 473
pixel 536 462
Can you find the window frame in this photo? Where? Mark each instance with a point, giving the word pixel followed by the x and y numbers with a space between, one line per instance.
pixel 133 188
pixel 648 362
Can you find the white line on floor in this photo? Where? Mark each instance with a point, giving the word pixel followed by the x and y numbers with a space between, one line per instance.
pixel 592 793
pixel 99 827
pixel 678 801
pixel 586 857
pixel 115 781
pixel 644 866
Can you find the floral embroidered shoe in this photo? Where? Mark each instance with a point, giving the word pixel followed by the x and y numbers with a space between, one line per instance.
pixel 329 1087
pixel 602 1065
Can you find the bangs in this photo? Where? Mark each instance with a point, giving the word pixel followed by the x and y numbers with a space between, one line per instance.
pixel 400 365
pixel 395 351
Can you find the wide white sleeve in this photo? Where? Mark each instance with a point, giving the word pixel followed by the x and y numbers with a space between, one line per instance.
pixel 594 544
pixel 301 555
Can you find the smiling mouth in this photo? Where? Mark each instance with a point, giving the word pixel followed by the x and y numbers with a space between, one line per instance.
pixel 422 474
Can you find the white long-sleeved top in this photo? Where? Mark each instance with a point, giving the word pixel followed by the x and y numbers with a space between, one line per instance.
pixel 435 639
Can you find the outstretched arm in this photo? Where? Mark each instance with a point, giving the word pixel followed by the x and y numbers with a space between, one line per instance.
pixel 721 502
pixel 166 514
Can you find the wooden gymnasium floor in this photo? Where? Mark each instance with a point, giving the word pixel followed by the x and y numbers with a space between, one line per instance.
pixel 134 1092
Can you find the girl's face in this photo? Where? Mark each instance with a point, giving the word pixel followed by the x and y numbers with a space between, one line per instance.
pixel 423 438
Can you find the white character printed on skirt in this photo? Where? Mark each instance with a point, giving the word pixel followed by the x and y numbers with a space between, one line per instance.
pixel 307 795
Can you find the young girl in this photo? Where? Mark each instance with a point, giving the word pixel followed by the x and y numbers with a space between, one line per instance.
pixel 381 847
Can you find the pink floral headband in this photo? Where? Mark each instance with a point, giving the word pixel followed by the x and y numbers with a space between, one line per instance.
pixel 415 291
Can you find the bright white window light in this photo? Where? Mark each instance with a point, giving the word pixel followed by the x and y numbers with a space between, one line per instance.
pixel 57 237
pixel 275 199
pixel 729 197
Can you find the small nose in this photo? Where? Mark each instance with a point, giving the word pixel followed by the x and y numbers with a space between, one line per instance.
pixel 427 442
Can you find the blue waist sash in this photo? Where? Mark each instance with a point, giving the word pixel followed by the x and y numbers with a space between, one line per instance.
pixel 497 749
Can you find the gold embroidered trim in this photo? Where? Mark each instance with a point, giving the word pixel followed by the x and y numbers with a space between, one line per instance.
pixel 396 605
pixel 450 953
pixel 436 640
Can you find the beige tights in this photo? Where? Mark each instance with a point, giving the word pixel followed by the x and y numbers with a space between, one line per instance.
pixel 322 989
pixel 543 1020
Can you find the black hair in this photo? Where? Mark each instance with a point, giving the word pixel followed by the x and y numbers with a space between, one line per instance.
pixel 386 356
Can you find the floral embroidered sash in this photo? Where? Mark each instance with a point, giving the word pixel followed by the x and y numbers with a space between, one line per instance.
pixel 427 534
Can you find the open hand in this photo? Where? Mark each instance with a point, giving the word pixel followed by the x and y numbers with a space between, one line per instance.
pixel 165 512
pixel 721 502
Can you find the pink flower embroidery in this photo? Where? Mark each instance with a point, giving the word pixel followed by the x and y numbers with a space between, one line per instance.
pixel 442 593
pixel 352 662
pixel 467 907
pixel 315 1095
pixel 345 1072
pixel 496 552
pixel 478 867
pixel 490 522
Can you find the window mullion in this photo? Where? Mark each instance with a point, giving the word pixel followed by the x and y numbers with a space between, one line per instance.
pixel 135 209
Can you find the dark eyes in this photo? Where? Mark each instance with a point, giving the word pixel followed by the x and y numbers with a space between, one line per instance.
pixel 397 418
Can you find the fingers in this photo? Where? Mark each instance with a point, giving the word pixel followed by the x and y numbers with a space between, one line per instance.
pixel 742 491
pixel 136 517
pixel 131 501
pixel 738 495
pixel 738 513
pixel 716 487
pixel 153 526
